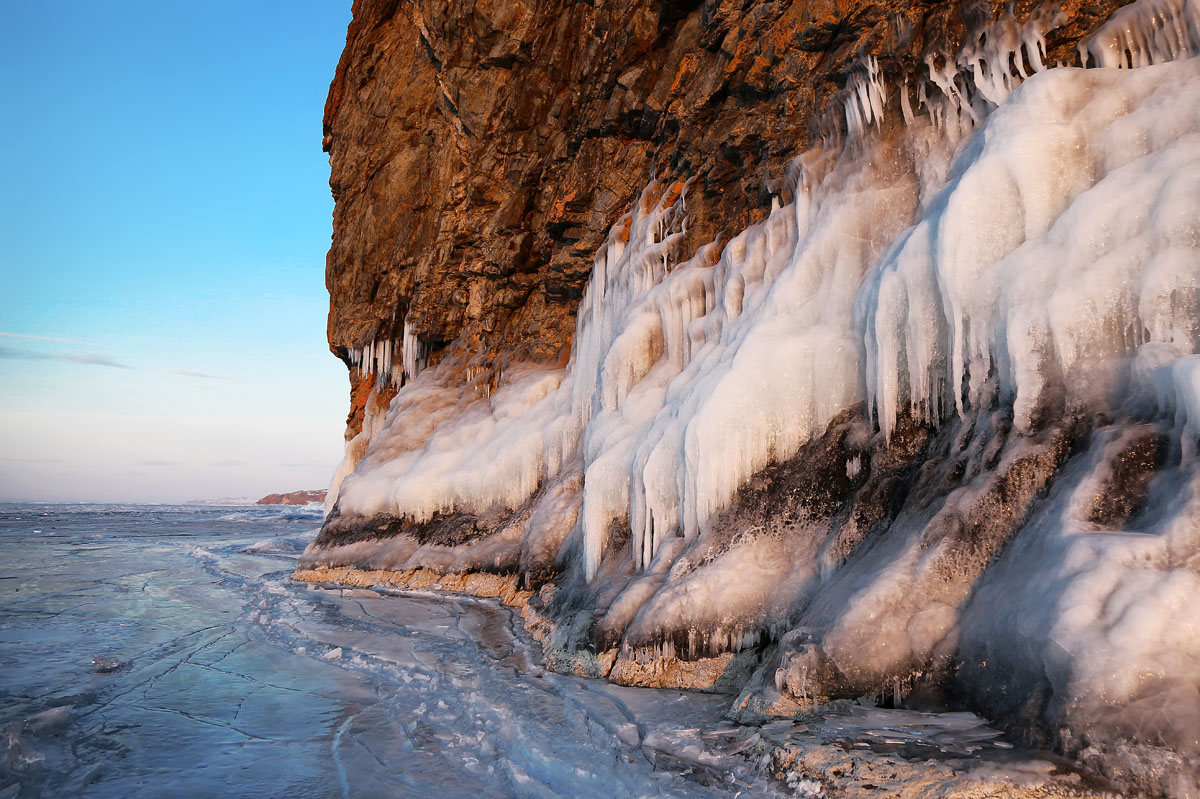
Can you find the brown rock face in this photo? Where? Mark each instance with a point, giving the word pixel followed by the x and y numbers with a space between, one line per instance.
pixel 480 151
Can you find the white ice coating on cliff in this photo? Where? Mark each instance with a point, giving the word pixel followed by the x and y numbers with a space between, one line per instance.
pixel 1028 239
pixel 964 296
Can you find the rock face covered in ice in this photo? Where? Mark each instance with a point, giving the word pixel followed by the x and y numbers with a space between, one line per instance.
pixel 481 151
pixel 930 423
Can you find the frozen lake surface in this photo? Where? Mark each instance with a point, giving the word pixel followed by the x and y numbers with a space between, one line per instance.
pixel 153 651
pixel 229 679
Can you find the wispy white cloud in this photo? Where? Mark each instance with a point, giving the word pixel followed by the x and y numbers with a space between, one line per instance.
pixel 88 358
pixel 55 339
pixel 205 375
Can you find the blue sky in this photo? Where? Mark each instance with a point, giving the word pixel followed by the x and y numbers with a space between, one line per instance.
pixel 163 231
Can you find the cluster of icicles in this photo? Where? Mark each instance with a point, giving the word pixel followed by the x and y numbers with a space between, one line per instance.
pixel 392 362
pixel 1040 247
pixel 960 92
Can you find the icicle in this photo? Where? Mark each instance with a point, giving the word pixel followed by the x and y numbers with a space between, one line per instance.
pixel 905 105
pixel 414 352
pixel 863 99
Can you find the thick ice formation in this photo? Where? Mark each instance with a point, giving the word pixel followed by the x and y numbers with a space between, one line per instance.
pixel 1093 172
pixel 1022 255
pixel 1109 617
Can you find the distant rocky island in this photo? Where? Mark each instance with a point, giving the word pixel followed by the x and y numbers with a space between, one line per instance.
pixel 293 498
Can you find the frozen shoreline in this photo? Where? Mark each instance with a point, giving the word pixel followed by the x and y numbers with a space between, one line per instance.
pixel 847 750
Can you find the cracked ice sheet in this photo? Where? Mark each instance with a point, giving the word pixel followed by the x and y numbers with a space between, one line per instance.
pixel 236 681
pixel 201 701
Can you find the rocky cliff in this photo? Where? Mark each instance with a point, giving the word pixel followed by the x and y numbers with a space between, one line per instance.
pixel 805 351
pixel 481 151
